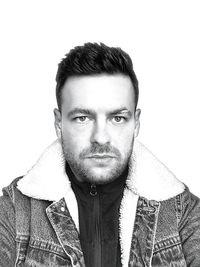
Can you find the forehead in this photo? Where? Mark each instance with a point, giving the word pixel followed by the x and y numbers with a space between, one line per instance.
pixel 102 92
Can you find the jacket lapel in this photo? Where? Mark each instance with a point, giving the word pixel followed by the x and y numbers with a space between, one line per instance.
pixel 66 231
pixel 143 238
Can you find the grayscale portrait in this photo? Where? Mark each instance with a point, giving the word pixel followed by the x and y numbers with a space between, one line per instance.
pixel 97 196
pixel 98 138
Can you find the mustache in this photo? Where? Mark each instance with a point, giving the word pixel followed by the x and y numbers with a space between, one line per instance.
pixel 100 149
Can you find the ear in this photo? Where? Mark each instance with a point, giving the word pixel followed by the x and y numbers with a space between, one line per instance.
pixel 137 122
pixel 57 122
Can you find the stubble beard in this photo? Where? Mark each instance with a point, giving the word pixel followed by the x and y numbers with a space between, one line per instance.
pixel 84 173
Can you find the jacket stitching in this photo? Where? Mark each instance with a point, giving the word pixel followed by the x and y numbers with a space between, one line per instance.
pixel 178 207
pixel 166 247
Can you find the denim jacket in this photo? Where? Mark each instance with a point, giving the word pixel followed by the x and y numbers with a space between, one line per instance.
pixel 159 217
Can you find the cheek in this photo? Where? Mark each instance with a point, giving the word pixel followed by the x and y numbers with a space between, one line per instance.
pixel 74 141
pixel 124 140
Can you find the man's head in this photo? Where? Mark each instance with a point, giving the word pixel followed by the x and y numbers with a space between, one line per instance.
pixel 97 119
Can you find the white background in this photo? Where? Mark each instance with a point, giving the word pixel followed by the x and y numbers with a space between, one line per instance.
pixel 163 39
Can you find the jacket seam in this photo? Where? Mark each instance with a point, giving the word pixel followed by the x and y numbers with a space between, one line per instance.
pixel 154 235
pixel 178 205
pixel 48 250
pixel 166 247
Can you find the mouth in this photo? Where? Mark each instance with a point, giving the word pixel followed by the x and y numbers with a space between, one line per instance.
pixel 102 160
pixel 100 156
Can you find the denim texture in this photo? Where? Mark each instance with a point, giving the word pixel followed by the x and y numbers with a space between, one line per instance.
pixel 37 232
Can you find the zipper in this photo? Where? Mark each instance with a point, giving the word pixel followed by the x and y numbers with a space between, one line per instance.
pixel 96 226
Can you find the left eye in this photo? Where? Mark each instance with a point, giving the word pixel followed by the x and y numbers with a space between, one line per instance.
pixel 119 119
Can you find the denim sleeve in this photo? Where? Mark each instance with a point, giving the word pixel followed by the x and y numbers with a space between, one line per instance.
pixel 190 231
pixel 7 233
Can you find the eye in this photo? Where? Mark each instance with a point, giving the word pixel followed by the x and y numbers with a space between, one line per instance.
pixel 81 119
pixel 119 119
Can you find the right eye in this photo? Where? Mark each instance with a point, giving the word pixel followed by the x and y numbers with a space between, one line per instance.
pixel 81 119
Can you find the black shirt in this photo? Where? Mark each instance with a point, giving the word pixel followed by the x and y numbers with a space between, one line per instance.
pixel 98 207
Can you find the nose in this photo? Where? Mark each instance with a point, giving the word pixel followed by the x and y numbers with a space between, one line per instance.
pixel 100 134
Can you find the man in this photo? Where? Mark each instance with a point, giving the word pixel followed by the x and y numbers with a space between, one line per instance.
pixel 97 196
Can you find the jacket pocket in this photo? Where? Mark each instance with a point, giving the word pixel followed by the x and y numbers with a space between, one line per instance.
pixel 168 253
pixel 43 253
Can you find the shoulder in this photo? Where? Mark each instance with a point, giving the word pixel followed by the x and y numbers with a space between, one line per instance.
pixel 188 206
pixel 9 191
pixel 180 211
pixel 8 212
pixel 189 226
pixel 185 204
pixel 12 200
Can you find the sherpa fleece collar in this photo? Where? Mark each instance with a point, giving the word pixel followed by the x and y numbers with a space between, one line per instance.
pixel 147 177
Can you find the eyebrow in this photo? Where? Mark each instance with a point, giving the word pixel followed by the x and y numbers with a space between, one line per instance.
pixel 80 110
pixel 121 110
pixel 92 112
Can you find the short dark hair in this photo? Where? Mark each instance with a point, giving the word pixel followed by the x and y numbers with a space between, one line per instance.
pixel 93 58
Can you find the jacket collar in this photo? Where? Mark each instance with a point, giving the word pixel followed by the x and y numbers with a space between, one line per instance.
pixel 147 176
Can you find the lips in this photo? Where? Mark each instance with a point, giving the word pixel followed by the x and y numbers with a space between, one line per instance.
pixel 100 156
pixel 102 160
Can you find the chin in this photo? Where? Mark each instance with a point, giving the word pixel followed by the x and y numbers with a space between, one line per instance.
pixel 100 179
